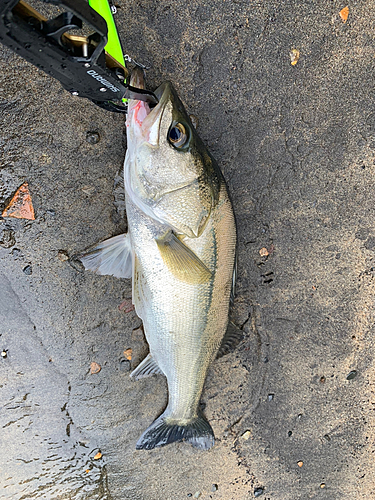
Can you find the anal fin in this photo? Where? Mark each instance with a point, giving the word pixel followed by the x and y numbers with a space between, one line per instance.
pixel 231 339
pixel 146 368
pixel 110 257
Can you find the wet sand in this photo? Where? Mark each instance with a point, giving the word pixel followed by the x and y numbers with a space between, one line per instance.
pixel 292 406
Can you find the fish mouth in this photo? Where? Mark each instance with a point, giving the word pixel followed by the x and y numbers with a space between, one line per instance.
pixel 138 111
pixel 137 78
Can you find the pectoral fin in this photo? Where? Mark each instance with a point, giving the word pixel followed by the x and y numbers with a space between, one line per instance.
pixel 181 261
pixel 112 257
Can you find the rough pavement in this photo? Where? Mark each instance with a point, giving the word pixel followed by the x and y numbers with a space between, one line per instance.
pixel 296 145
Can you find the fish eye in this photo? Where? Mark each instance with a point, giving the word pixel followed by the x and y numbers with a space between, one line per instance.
pixel 177 135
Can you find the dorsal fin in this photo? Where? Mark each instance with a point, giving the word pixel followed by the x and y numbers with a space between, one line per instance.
pixel 234 279
pixel 231 339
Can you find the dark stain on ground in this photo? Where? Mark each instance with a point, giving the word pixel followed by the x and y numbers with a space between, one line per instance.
pixel 296 145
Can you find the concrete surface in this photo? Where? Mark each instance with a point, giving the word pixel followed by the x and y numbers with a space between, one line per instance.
pixel 296 145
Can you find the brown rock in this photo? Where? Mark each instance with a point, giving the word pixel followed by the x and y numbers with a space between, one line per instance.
pixel 94 368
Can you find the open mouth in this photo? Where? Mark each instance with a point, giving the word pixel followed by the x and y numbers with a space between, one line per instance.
pixel 139 110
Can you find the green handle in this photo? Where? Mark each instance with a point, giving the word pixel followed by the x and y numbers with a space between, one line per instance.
pixel 113 47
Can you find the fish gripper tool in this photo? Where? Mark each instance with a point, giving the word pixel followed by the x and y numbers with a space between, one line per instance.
pixel 80 63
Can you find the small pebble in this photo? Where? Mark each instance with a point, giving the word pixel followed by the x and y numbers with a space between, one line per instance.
pixel 351 375
pixel 214 487
pixel 62 255
pixel 51 212
pixel 246 435
pixel 294 56
pixel 300 416
pixel 88 190
pixel 263 252
pixel 290 433
pixel 28 270
pixel 326 437
pixel 98 456
pixel 189 495
pixel 7 239
pixel 344 13
pixel 137 334
pixel 128 354
pixel 76 264
pixel 126 306
pixel 4 354
pixel 323 485
pixel 95 368
pixel 258 492
pixel 124 365
pixel 270 397
pixel 322 379
pixel 92 137
pixel 197 494
pixel 300 463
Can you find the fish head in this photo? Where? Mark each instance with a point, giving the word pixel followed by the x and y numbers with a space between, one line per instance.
pixel 169 173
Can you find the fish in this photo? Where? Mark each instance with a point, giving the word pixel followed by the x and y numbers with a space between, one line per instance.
pixel 180 251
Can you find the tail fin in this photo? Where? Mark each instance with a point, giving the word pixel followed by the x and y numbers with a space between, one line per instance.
pixel 198 433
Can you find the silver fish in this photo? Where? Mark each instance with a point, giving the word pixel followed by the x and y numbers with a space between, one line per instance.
pixel 180 251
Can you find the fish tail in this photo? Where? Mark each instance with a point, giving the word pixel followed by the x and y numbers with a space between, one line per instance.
pixel 198 433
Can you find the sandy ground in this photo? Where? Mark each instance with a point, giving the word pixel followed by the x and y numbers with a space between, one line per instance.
pixel 297 147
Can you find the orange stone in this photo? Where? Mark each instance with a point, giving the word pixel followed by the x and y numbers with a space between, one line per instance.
pixel 128 354
pixel 20 205
pixel 94 368
pixel 344 13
